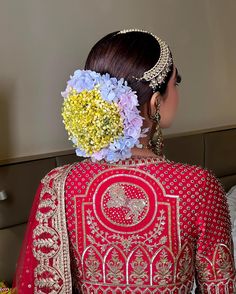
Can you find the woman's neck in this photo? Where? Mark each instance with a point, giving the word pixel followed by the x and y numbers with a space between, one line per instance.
pixel 143 152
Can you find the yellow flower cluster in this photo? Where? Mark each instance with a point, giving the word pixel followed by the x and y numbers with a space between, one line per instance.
pixel 91 121
pixel 4 289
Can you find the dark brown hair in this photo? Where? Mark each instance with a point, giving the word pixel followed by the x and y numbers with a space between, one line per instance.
pixel 127 56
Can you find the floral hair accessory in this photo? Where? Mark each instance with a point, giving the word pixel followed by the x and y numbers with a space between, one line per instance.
pixel 101 117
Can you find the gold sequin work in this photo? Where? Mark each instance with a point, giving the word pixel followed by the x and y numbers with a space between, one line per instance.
pixel 138 226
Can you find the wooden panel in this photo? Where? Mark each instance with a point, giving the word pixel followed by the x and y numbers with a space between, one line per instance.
pixel 185 149
pixel 10 244
pixel 228 182
pixel 220 152
pixel 20 182
pixel 65 159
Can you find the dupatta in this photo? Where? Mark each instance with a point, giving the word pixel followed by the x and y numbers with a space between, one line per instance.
pixel 44 262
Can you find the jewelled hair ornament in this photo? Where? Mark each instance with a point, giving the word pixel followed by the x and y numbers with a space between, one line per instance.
pixel 101 117
pixel 157 74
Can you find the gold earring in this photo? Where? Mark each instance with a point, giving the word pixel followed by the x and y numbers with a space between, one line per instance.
pixel 156 142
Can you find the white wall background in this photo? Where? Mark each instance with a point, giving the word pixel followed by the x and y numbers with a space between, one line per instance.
pixel 43 42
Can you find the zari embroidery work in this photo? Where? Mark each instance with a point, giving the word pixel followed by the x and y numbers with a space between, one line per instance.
pixel 50 240
pixel 127 235
pixel 114 255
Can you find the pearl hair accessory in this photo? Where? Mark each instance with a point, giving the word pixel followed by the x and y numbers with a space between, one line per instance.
pixel 157 74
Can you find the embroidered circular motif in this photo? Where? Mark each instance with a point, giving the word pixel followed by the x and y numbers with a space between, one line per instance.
pixel 46 242
pixel 47 280
pixel 47 205
pixel 125 204
pixel 125 201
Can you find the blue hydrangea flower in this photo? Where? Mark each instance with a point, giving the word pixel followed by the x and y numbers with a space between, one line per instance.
pixel 113 91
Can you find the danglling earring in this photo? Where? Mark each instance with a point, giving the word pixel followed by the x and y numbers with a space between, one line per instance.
pixel 156 142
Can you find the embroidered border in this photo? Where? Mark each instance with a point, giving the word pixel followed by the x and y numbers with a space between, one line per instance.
pixel 50 238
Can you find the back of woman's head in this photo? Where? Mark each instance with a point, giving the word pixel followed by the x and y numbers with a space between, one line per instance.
pixel 128 55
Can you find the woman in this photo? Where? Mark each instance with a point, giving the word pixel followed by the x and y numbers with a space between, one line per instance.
pixel 126 220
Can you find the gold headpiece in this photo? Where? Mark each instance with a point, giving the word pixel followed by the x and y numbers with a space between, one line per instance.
pixel 157 74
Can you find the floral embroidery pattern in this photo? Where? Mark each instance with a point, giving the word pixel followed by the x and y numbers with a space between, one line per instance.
pixel 126 242
pixel 203 272
pixel 48 244
pixel 155 254
pixel 139 266
pixel 115 267
pixel 224 263
pixel 118 198
pixel 220 268
pixel 163 273
pixel 185 264
pixel 93 273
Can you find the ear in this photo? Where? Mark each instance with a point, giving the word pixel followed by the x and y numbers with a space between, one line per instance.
pixel 153 103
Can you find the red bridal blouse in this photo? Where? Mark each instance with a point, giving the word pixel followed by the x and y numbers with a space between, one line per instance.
pixel 137 226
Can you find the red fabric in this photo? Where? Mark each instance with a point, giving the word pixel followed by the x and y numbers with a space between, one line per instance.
pixel 112 252
pixel 141 226
pixel 24 276
pixel 37 269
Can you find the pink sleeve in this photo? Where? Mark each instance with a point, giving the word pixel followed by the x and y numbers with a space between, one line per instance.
pixel 214 256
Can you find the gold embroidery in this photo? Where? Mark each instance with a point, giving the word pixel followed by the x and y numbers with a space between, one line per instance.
pixel 100 196
pixel 126 242
pixel 118 198
pixel 159 227
pixel 115 266
pixel 47 279
pixel 93 273
pixel 163 273
pixel 139 273
pixel 185 264
pixel 217 274
pixel 172 266
pixel 202 268
pixel 137 289
pixel 47 205
pixel 224 263
pixel 50 239
pixel 45 243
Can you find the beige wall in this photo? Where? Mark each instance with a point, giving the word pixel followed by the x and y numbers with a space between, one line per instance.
pixel 42 42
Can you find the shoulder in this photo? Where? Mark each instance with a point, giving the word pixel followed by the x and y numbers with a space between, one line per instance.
pixel 57 173
pixel 194 173
pixel 186 169
pixel 84 171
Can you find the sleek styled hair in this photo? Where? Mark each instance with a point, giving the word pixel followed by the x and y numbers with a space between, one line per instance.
pixel 128 56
